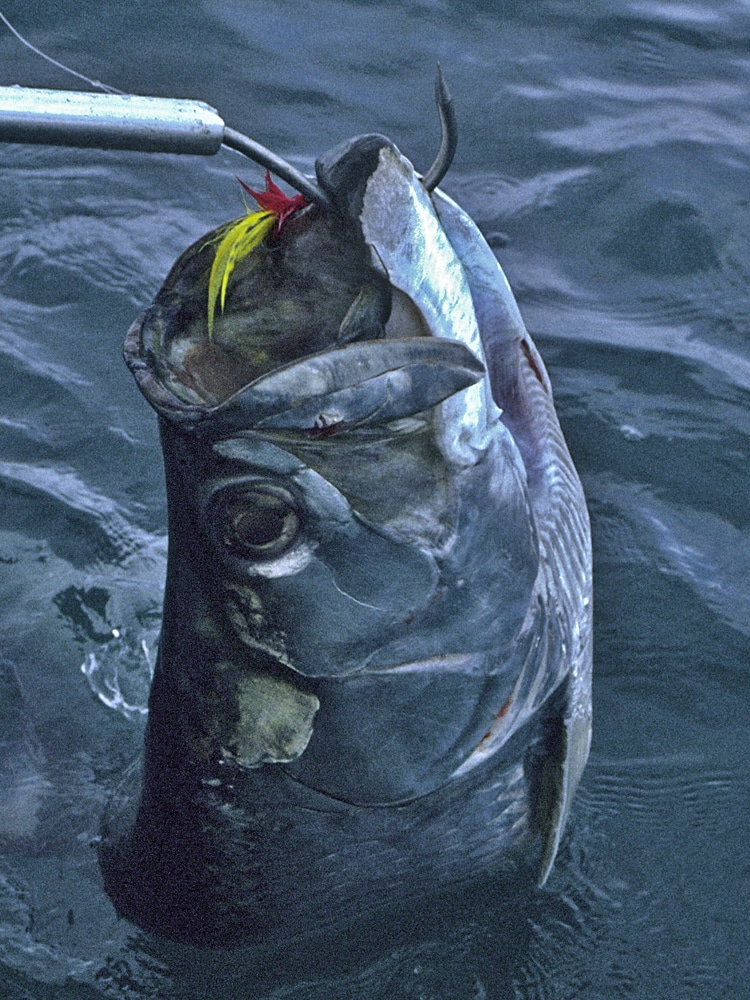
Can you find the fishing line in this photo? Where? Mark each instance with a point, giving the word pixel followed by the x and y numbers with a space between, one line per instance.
pixel 94 83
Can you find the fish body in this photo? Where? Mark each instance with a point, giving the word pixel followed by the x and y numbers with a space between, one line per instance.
pixel 375 663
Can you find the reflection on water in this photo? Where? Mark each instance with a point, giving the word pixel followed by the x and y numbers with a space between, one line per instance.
pixel 120 673
pixel 604 150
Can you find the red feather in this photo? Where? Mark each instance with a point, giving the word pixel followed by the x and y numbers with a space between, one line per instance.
pixel 274 200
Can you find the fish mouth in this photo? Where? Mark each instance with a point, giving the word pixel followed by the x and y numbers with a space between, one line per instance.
pixel 358 385
pixel 321 308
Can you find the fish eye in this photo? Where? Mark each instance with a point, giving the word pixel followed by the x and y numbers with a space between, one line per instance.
pixel 260 523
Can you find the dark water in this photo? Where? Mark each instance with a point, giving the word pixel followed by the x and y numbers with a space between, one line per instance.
pixel 605 148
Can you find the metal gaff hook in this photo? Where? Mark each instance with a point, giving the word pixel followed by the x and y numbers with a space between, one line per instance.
pixel 167 125
pixel 293 177
pixel 448 142
pixel 449 136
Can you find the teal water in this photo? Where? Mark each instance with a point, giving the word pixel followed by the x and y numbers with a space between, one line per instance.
pixel 604 151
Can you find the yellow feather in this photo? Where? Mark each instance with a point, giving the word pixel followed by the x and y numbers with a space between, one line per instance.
pixel 240 239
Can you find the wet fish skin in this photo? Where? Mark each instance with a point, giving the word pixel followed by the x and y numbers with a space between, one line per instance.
pixel 374 671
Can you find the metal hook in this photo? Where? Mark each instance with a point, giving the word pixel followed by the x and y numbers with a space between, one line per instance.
pixel 165 125
pixel 277 165
pixel 449 136
pixel 128 121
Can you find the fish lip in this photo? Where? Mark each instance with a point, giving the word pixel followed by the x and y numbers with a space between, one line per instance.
pixel 390 368
pixel 344 171
pixel 162 399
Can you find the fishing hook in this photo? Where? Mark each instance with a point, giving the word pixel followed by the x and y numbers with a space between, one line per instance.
pixel 449 134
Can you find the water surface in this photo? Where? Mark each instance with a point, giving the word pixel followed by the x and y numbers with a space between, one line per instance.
pixel 604 152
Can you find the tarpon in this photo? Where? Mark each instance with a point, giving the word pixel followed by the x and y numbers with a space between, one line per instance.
pixel 374 674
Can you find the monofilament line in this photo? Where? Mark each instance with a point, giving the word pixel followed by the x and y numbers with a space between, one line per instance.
pixel 94 83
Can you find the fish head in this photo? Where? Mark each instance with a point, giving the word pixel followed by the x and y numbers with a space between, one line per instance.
pixel 352 554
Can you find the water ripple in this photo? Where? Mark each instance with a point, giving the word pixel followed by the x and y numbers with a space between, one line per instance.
pixel 102 515
pixel 663 123
pixel 701 549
